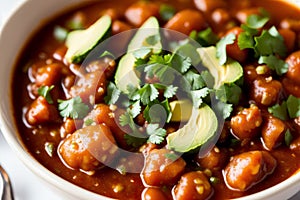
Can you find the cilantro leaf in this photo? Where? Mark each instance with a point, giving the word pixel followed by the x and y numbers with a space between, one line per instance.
pixel 170 91
pixel 293 106
pixel 163 72
pixel 256 21
pixel 148 93
pixel 205 38
pixel 166 12
pixel 221 47
pixel 134 141
pixel 44 91
pixel 194 79
pixel 245 41
pixel 73 108
pixel 158 112
pixel 157 135
pixel 270 42
pixel 224 109
pixel 181 63
pixel 135 109
pixel 198 95
pixel 288 138
pixel 279 111
pixel 229 93
pixel 113 94
pixel 280 66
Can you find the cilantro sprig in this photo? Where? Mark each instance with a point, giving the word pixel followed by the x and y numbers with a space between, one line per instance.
pixel 45 92
pixel 287 109
pixel 73 108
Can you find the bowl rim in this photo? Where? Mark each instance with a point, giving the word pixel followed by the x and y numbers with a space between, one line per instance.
pixel 7 129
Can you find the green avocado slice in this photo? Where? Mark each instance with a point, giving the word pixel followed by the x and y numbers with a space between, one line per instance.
pixel 201 126
pixel 228 73
pixel 146 38
pixel 81 42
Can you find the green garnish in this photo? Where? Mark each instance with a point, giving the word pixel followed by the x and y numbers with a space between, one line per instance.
pixel 60 33
pixel 45 92
pixel 274 63
pixel 221 47
pixel 289 108
pixel 205 38
pixel 166 12
pixel 288 138
pixel 49 148
pixel 88 122
pixel 156 134
pixel 113 94
pixel 73 108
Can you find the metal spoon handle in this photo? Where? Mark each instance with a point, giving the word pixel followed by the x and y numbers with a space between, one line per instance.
pixel 7 193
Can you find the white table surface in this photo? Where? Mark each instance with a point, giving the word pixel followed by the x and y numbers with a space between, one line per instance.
pixel 25 185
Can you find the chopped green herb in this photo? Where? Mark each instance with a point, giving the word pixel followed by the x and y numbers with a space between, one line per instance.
pixel 73 108
pixel 257 21
pixel 135 109
pixel 293 106
pixel 229 93
pixel 279 111
pixel 49 148
pixel 88 122
pixel 157 135
pixel 194 79
pixel 223 109
pixel 221 47
pixel 198 95
pixel 113 94
pixel 274 63
pixel 166 12
pixel 205 38
pixel 245 41
pixel 60 33
pixel 288 138
pixel 270 42
pixel 45 92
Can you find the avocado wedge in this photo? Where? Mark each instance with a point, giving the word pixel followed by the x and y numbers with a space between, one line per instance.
pixel 201 126
pixel 81 42
pixel 147 39
pixel 230 72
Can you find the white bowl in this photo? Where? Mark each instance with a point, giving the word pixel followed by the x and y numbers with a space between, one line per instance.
pixel 16 31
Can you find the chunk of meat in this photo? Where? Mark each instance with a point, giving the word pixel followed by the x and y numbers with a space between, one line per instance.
pixel 162 167
pixel 102 113
pixel 48 75
pixel 153 194
pixel 209 5
pixel 89 148
pixel 266 91
pixel 140 11
pixel 186 21
pixel 91 87
pixel 193 185
pixel 247 169
pixel 41 112
pixel 214 160
pixel 272 132
pixel 293 62
pixel 246 123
